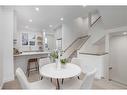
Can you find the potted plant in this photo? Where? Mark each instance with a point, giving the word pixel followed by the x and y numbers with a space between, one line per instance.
pixel 54 56
pixel 63 62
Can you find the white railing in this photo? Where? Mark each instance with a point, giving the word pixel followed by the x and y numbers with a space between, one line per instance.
pixel 77 44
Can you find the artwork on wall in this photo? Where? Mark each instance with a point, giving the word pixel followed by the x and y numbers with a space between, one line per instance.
pixel 14 41
pixel 24 38
pixel 28 39
pixel 32 43
pixel 32 38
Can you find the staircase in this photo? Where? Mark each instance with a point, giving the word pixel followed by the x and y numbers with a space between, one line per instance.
pixel 71 50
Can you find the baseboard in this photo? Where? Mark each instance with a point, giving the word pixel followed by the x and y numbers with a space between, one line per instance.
pixel 119 82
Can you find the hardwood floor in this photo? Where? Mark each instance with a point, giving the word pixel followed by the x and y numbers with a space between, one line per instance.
pixel 34 76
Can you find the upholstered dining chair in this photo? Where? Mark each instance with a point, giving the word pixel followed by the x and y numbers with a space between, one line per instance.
pixel 75 61
pixel 42 84
pixel 88 80
pixel 86 83
pixel 42 62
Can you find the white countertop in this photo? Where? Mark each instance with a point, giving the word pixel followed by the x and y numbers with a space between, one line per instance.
pixel 31 53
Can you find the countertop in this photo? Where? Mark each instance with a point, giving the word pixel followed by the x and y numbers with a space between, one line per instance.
pixel 31 53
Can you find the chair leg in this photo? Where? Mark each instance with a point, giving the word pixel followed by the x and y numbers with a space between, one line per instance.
pixel 41 77
pixel 38 68
pixel 28 70
pixel 58 85
pixel 62 81
pixel 51 79
pixel 28 74
pixel 78 77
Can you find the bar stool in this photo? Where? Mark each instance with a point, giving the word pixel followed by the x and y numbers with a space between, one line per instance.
pixel 35 68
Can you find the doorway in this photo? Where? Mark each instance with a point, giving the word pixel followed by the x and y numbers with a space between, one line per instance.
pixel 118 58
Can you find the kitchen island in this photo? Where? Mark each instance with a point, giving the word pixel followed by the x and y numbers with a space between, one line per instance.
pixel 20 60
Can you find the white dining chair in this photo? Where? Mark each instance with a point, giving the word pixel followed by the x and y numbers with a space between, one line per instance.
pixel 86 83
pixel 85 67
pixel 42 62
pixel 76 61
pixel 42 84
pixel 88 80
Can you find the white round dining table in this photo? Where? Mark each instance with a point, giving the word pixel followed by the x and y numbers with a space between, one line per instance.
pixel 51 71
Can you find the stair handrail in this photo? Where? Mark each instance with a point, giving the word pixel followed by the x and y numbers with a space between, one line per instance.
pixel 80 46
pixel 83 43
pixel 95 21
pixel 74 42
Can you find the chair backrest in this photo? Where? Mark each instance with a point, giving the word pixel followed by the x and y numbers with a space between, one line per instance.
pixel 86 66
pixel 76 61
pixel 22 78
pixel 88 80
pixel 44 61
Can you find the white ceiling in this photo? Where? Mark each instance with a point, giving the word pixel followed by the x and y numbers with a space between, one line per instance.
pixel 112 16
pixel 47 15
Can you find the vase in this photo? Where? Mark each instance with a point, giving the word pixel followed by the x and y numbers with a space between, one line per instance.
pixel 58 64
pixel 63 65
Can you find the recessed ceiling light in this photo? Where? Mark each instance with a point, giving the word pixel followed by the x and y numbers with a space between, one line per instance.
pixel 125 33
pixel 61 19
pixel 30 20
pixel 50 26
pixel 37 9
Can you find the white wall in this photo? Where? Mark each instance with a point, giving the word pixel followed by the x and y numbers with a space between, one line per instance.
pixel 1 65
pixel 101 45
pixel 58 32
pixel 71 31
pixel 51 41
pixel 7 19
pixel 58 35
pixel 1 54
pixel 80 25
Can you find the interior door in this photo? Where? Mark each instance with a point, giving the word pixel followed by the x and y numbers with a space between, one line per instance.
pixel 118 59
